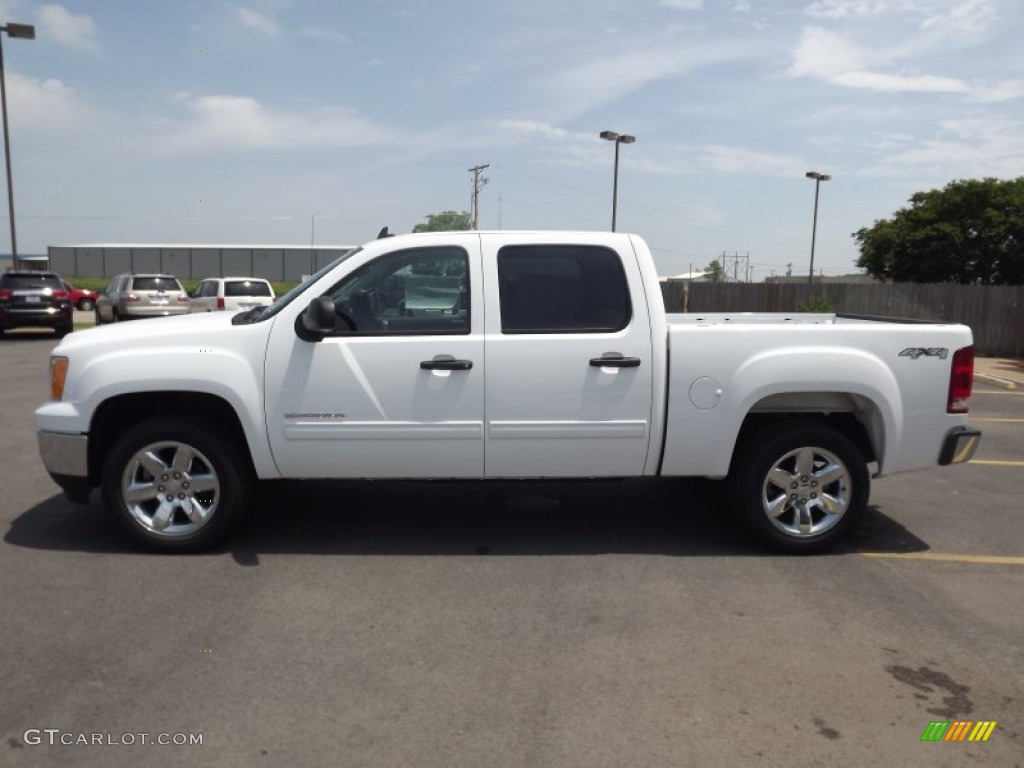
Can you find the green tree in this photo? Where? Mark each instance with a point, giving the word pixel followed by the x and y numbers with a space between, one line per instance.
pixel 971 231
pixel 445 221
pixel 715 272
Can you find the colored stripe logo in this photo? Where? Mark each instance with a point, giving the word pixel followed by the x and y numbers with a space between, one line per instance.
pixel 959 730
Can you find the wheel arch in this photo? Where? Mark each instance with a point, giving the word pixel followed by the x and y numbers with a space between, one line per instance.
pixel 118 413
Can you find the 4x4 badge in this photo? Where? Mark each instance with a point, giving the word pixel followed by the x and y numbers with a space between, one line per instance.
pixel 915 352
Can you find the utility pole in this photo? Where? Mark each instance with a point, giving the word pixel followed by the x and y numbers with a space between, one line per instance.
pixel 478 184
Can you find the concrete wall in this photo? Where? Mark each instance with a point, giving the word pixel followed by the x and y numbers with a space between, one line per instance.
pixel 284 263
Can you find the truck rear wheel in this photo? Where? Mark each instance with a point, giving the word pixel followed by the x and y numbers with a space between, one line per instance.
pixel 177 484
pixel 801 486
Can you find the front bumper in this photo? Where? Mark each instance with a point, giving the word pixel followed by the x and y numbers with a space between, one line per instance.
pixel 66 458
pixel 959 445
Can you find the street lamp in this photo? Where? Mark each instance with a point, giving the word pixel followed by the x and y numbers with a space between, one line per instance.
pixel 618 138
pixel 25 32
pixel 818 178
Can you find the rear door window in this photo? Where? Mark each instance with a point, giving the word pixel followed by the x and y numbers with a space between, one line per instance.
pixel 562 289
pixel 155 284
pixel 246 288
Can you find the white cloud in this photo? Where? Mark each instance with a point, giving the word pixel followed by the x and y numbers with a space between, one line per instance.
pixel 323 34
pixel 72 30
pixel 43 104
pixel 605 78
pixel 985 145
pixel 967 17
pixel 856 9
pixel 257 21
pixel 683 5
pixel 1005 90
pixel 727 159
pixel 223 122
pixel 824 55
pixel 877 81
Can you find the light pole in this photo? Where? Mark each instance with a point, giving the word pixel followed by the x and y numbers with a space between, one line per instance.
pixel 25 32
pixel 818 178
pixel 618 138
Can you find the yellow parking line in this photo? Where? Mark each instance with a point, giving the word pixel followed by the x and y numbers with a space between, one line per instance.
pixel 995 463
pixel 949 558
pixel 1006 421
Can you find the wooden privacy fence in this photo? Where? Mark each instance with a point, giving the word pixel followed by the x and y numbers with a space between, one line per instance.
pixel 995 313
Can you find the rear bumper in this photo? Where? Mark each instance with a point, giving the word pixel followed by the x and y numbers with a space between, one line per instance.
pixel 959 445
pixel 66 458
pixel 43 317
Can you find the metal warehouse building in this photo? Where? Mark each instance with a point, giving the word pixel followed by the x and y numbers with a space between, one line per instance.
pixel 272 262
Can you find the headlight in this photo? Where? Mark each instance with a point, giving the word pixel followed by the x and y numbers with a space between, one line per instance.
pixel 58 372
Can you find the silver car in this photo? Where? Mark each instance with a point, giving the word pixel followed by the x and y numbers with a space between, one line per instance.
pixel 132 296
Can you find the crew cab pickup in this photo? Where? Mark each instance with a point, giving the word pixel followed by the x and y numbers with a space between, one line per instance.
pixel 485 355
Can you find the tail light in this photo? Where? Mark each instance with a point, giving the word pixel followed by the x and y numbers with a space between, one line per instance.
pixel 220 303
pixel 130 297
pixel 6 293
pixel 961 379
pixel 183 297
pixel 61 295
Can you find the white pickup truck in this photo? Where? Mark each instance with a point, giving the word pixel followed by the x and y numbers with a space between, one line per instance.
pixel 500 355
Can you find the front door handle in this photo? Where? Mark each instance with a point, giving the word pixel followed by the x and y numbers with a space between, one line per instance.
pixel 446 364
pixel 615 362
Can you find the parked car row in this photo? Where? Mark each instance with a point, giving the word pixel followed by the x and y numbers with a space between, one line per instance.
pixel 38 299
pixel 132 296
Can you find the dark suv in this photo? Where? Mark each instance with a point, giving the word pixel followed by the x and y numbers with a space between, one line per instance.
pixel 34 299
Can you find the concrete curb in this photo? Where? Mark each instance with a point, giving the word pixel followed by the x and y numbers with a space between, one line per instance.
pixel 995 381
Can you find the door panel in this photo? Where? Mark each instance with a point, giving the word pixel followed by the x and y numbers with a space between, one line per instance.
pixel 360 403
pixel 550 411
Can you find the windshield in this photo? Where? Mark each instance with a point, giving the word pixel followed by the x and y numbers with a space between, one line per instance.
pixel 298 290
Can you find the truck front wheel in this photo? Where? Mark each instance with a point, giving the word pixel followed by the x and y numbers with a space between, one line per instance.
pixel 177 484
pixel 802 486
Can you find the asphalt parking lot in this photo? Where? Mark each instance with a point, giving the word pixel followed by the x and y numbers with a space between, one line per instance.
pixel 455 624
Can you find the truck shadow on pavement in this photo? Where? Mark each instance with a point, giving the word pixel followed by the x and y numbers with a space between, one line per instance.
pixel 682 518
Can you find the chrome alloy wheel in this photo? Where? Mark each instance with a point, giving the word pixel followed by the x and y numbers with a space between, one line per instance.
pixel 806 492
pixel 170 488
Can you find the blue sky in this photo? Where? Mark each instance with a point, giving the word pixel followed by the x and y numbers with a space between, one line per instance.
pixel 236 122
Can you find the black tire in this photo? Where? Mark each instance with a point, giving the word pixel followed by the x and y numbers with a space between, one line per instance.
pixel 86 305
pixel 114 316
pixel 63 330
pixel 216 454
pixel 833 494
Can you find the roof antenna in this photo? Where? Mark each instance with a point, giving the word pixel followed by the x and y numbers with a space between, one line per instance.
pixel 384 233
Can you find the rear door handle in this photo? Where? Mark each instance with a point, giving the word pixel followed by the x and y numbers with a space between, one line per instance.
pixel 446 364
pixel 615 362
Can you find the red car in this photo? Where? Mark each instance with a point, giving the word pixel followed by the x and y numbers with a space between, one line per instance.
pixel 81 298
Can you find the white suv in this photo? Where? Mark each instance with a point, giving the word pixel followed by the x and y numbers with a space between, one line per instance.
pixel 231 293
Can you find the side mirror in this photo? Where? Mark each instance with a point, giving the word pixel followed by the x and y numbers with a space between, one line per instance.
pixel 316 320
